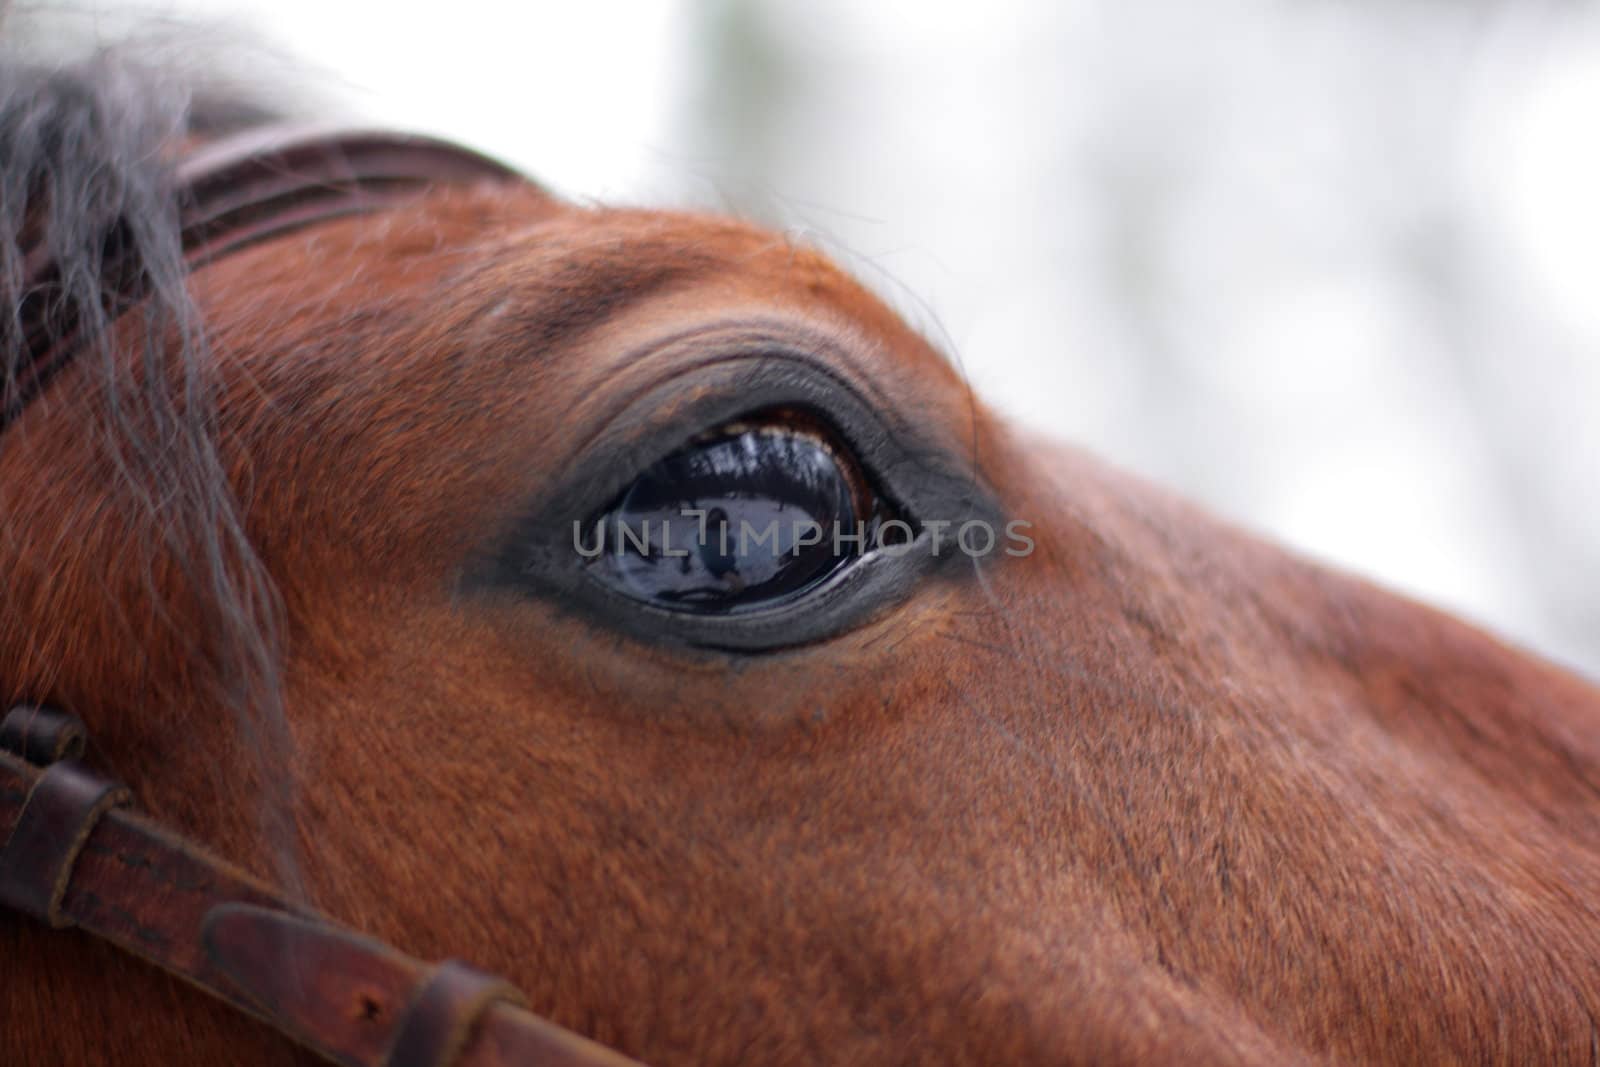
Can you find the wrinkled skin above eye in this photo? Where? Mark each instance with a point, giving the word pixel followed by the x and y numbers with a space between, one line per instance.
pixel 749 516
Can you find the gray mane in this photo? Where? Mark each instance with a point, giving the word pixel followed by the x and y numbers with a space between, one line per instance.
pixel 83 149
pixel 86 147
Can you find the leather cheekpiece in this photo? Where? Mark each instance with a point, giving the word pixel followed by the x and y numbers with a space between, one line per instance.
pixel 59 815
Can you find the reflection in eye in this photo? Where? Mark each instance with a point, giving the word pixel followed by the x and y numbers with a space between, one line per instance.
pixel 756 513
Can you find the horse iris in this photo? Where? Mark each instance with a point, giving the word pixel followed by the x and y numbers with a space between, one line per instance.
pixel 754 514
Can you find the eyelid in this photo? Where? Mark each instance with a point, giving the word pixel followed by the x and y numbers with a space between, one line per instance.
pixel 914 471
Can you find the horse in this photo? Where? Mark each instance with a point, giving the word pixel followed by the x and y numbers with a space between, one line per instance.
pixel 326 542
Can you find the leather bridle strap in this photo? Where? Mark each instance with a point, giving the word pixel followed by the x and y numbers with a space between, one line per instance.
pixel 234 193
pixel 74 855
pixel 260 185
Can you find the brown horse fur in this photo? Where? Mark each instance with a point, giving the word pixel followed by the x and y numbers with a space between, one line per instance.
pixel 1160 793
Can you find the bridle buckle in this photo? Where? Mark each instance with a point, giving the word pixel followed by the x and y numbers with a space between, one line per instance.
pixel 58 816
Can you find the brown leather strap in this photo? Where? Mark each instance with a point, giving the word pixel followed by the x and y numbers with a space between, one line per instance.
pixel 268 183
pixel 42 736
pixel 234 193
pixel 440 1020
pixel 347 998
pixel 57 817
pixel 312 978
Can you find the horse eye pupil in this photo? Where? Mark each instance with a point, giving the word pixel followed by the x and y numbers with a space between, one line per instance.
pixel 746 518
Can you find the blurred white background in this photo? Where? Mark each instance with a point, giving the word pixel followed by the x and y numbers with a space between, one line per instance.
pixel 1330 267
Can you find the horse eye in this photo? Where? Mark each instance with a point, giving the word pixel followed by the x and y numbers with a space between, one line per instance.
pixel 753 514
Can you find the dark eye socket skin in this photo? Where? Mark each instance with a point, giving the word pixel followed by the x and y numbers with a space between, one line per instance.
pixel 797 415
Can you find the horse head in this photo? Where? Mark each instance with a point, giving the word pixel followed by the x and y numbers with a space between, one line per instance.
pixel 404 558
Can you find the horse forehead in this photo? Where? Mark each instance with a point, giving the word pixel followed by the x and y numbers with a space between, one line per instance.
pixel 430 273
pixel 612 238
pixel 719 261
pixel 497 298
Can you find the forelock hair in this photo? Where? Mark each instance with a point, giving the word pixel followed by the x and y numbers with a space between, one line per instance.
pixel 89 148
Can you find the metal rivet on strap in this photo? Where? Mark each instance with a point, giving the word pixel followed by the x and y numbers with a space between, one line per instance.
pixel 42 735
pixel 438 1023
